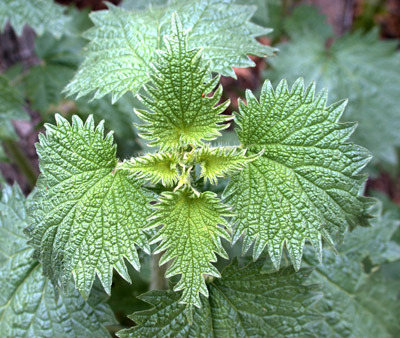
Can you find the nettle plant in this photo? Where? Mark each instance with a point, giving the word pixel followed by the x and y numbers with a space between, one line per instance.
pixel 294 178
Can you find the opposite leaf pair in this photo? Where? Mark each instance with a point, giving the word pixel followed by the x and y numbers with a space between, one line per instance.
pixel 299 180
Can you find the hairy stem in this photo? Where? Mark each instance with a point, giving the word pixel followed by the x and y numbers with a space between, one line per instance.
pixel 158 281
pixel 21 160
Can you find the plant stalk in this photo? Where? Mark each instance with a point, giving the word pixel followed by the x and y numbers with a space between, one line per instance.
pixel 21 160
pixel 158 280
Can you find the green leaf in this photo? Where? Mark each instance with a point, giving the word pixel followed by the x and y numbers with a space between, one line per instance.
pixel 159 167
pixel 359 300
pixel 360 67
pixel 220 162
pixel 88 216
pixel 28 304
pixel 268 13
pixel 59 61
pixel 41 15
pixel 190 235
pixel 305 185
pixel 243 303
pixel 123 62
pixel 305 19
pixel 11 108
pixel 118 117
pixel 141 4
pixel 182 113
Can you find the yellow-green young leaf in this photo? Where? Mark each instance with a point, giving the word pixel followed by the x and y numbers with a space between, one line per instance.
pixel 220 162
pixel 29 306
pixel 123 44
pixel 181 111
pixel 41 15
pixel 158 167
pixel 190 235
pixel 88 216
pixel 305 185
pixel 245 302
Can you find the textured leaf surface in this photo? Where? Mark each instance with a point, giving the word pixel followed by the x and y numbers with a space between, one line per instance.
pixel 11 108
pixel 181 112
pixel 243 303
pixel 41 15
pixel 28 305
pixel 305 185
pixel 123 44
pixel 159 167
pixel 220 162
pixel 356 66
pixel 118 117
pixel 359 300
pixel 191 236
pixel 88 216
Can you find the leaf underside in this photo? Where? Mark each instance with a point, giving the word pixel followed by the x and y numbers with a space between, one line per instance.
pixel 305 185
pixel 243 303
pixel 122 63
pixel 88 217
pixel 41 15
pixel 28 304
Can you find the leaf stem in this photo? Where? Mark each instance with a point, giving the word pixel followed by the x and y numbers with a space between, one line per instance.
pixel 158 280
pixel 21 160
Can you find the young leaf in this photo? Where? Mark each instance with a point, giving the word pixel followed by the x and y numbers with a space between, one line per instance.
pixel 190 235
pixel 220 162
pixel 243 303
pixel 305 185
pixel 41 15
pixel 154 167
pixel 28 304
pixel 360 301
pixel 122 63
pixel 11 108
pixel 182 113
pixel 360 67
pixel 88 215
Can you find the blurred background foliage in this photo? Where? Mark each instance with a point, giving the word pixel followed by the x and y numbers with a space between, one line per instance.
pixel 350 47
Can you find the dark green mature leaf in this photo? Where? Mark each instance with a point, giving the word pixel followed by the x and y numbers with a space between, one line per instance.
pixel 243 303
pixel 190 236
pixel 181 112
pixel 269 13
pixel 360 301
pixel 41 15
pixel 11 108
pixel 305 185
pixel 59 61
pixel 305 19
pixel 28 304
pixel 123 44
pixel 357 66
pixel 88 215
